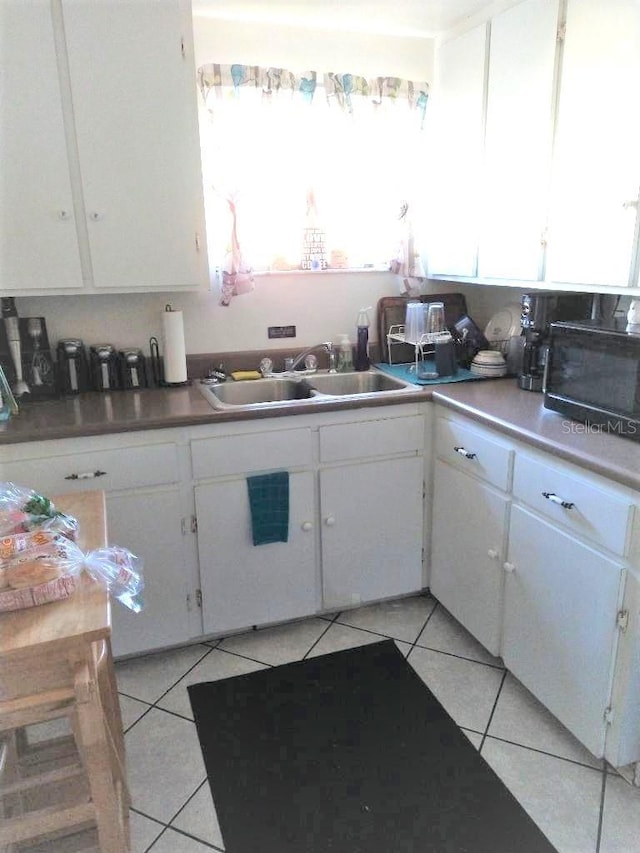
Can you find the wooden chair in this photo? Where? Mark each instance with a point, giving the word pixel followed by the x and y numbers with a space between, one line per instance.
pixel 87 765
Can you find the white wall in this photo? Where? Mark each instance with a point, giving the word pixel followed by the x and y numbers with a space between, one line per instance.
pixel 320 306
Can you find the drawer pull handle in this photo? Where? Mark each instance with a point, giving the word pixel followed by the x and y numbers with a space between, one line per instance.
pixel 558 500
pixel 466 453
pixel 87 475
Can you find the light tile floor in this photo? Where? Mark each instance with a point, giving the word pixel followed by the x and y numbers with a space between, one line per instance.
pixel 580 804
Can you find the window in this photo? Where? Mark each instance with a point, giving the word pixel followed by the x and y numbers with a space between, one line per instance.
pixel 286 152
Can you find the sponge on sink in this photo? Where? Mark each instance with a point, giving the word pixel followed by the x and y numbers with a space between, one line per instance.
pixel 245 374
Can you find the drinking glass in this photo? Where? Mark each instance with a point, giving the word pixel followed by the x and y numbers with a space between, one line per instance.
pixel 435 318
pixel 414 322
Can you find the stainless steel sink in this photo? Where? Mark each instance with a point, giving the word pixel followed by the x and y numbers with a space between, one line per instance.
pixel 290 391
pixel 366 382
pixel 231 395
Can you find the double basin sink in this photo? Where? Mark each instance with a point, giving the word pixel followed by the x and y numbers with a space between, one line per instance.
pixel 293 391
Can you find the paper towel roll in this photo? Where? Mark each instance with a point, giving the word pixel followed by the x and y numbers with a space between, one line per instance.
pixel 175 358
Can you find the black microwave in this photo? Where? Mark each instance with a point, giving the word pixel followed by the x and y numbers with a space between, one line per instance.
pixel 592 375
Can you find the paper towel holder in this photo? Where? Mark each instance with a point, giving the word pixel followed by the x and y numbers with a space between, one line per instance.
pixel 157 362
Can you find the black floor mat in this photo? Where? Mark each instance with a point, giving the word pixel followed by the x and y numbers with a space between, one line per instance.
pixel 350 753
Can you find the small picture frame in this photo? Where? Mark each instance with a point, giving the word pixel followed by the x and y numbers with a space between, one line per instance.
pixel 8 405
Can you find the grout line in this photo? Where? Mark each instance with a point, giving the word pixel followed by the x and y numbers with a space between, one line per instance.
pixel 601 815
pixel 155 704
pixel 315 643
pixel 543 752
pixel 493 710
pixel 245 657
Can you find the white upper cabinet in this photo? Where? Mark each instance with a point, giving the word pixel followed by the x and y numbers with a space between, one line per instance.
pixel 596 172
pixel 456 161
pixel 38 239
pixel 539 171
pixel 134 103
pixel 518 140
pixel 102 185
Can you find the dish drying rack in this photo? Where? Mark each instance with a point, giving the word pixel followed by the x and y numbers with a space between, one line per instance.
pixel 396 335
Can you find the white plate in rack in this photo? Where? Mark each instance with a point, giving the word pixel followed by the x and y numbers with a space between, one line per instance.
pixel 504 324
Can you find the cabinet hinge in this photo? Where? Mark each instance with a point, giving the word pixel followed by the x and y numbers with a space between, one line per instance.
pixel 622 619
pixel 562 31
pixel 182 48
pixel 199 598
pixel 189 602
pixel 608 715
pixel 197 242
pixel 189 525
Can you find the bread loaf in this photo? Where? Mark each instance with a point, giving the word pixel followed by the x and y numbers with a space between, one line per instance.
pixel 31 573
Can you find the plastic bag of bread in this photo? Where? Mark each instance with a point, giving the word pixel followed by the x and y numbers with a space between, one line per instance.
pixel 41 566
pixel 22 509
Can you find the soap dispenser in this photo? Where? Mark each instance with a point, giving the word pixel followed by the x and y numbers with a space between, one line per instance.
pixel 345 355
pixel 362 343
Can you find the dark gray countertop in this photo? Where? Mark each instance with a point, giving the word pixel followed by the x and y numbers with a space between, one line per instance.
pixel 96 413
pixel 496 403
pixel 521 415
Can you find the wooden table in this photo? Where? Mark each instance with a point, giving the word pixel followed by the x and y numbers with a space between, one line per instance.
pixel 83 617
pixel 71 636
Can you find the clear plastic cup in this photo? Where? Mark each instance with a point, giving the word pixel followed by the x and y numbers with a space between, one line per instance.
pixel 414 322
pixel 435 318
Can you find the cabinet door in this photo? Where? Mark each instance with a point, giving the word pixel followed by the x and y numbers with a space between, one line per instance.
pixel 245 584
pixel 518 140
pixel 468 537
pixel 372 531
pixel 38 241
pixel 149 524
pixel 134 103
pixel 456 161
pixel 561 601
pixel 597 158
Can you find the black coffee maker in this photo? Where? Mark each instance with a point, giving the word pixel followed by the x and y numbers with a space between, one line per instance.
pixel 539 309
pixel 73 369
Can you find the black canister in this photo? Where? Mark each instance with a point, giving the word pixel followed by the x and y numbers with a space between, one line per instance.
pixel 445 358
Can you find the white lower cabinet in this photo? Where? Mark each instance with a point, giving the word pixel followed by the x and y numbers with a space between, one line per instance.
pixel 560 631
pixel 537 558
pixel 356 525
pixel 468 546
pixel 140 475
pixel 245 584
pixel 372 531
pixel 149 525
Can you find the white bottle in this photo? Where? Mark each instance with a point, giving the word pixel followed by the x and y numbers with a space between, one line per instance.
pixel 345 355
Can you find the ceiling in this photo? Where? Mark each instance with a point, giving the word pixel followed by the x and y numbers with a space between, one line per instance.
pixel 424 18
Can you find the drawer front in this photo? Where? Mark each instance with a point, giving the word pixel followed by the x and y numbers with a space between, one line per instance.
pixel 475 451
pixel 342 442
pixel 111 470
pixel 244 454
pixel 584 506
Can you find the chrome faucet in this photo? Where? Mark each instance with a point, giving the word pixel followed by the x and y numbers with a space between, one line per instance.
pixel 327 345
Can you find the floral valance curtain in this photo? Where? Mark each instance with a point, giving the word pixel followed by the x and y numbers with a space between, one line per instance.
pixel 272 138
pixel 345 90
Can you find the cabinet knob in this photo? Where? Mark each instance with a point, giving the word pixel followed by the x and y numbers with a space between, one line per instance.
pixel 466 453
pixel 330 520
pixel 64 215
pixel 493 554
pixel 556 499
pixel 306 526
pixel 95 216
pixel 509 567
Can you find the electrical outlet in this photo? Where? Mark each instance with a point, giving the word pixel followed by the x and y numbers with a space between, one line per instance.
pixel 281 331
